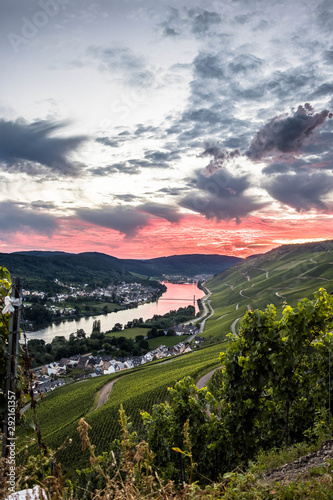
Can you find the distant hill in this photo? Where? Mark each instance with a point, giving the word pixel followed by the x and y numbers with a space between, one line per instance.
pixel 38 268
pixel 39 271
pixel 189 265
pixel 285 274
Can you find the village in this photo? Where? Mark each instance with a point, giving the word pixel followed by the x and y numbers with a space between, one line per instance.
pixel 76 300
pixel 80 367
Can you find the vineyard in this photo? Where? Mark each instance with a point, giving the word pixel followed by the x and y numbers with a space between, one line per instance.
pixel 137 390
pixel 273 278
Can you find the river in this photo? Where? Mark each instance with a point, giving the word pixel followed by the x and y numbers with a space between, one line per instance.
pixel 176 296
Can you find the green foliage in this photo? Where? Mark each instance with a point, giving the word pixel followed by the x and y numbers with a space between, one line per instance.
pixel 275 374
pixel 169 319
pixel 185 423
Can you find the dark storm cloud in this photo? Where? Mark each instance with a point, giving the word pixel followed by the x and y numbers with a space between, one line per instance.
pixel 328 56
pixel 202 115
pixel 157 155
pixel 112 143
pixel 142 130
pixel 322 90
pixel 124 60
pixel 126 220
pixel 282 167
pixel 15 217
pixel 220 156
pixel 244 63
pixel 286 134
pixel 161 210
pixel 202 20
pixel 221 196
pixel 149 164
pixel 280 135
pixel 128 198
pixel 302 191
pixel 116 168
pixel 324 13
pixel 172 191
pixel 196 21
pixel 161 156
pixel 22 143
pixel 207 65
pixel 294 82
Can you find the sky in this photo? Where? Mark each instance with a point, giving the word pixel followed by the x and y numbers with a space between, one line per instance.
pixel 143 128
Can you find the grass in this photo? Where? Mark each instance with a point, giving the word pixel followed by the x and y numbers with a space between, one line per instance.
pixel 129 333
pixel 95 306
pixel 166 340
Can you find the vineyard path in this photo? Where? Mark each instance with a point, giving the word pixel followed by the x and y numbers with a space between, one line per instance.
pixel 105 392
pixel 202 382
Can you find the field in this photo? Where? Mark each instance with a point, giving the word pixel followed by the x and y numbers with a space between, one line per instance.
pixel 136 389
pixel 129 333
pixel 274 278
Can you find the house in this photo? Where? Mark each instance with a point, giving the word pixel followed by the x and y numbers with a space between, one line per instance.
pixel 53 369
pixel 186 329
pixel 129 364
pixel 137 360
pixel 121 365
pixel 148 357
pixel 82 362
pixel 110 367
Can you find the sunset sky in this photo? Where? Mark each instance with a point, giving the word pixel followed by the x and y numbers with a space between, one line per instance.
pixel 144 128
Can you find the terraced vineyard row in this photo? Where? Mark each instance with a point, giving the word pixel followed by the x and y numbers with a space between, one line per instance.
pixel 137 390
pixel 269 279
pixel 68 403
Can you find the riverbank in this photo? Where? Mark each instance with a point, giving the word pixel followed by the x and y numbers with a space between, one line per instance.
pixel 176 296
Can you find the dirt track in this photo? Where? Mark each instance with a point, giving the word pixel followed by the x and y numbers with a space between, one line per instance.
pixel 105 393
pixel 203 381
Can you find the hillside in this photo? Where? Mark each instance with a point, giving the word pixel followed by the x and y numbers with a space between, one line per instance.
pixel 285 274
pixel 189 265
pixel 39 271
pixel 38 268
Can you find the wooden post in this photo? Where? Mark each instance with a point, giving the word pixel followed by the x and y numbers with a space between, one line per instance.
pixel 13 345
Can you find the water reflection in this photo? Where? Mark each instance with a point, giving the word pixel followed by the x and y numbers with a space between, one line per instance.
pixel 176 296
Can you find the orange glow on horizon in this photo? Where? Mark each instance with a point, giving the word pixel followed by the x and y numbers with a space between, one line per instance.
pixel 193 234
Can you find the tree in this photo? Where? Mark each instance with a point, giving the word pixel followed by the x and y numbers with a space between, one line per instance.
pixel 96 326
pixel 275 374
pixel 144 344
pixel 152 333
pixel 80 333
pixel 117 327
